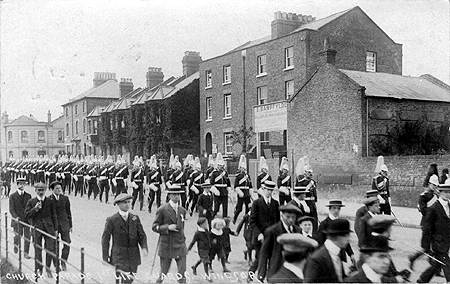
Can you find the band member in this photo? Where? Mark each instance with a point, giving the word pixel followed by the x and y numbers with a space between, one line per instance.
pixel 17 202
pixel 296 249
pixel 120 175
pixel 381 183
pixel 41 213
pixel 91 178
pixel 79 178
pixel 220 186
pixel 154 180
pixel 326 264
pixel 263 215
pixel 270 256
pixel 67 181
pixel 211 166
pixel 435 240
pixel 188 165
pixel 127 235
pixel 263 173
pixel 284 182
pixel 195 181
pixel 103 179
pixel 137 182
pixel 305 179
pixel 64 217
pixel 169 224
pixel 242 185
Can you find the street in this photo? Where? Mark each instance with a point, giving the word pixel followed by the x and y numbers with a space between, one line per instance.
pixel 89 218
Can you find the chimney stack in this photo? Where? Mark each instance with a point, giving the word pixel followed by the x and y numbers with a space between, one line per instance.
pixel 285 23
pixel 191 62
pixel 126 86
pixel 328 55
pixel 49 117
pixel 154 76
pixel 5 118
pixel 102 77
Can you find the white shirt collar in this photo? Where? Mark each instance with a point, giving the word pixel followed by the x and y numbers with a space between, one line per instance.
pixel 56 196
pixel 124 214
pixel 371 214
pixel 370 274
pixel 20 192
pixel 267 199
pixel 306 234
pixel 332 217
pixel 216 232
pixel 200 229
pixel 41 199
pixel 294 269
pixel 174 205
pixel 332 248
pixel 207 194
pixel 286 227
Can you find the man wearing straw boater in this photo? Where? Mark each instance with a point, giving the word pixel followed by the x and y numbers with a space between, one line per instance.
pixel 169 224
pixel 127 235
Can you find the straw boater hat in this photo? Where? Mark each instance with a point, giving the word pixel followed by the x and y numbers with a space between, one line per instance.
pixel 175 189
pixel 263 164
pixel 370 200
pixel 242 162
pixel 335 203
pixel 284 165
pixel 270 185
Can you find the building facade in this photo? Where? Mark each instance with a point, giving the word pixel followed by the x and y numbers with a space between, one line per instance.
pixel 25 136
pixel 273 69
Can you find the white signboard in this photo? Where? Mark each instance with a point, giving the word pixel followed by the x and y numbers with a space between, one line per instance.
pixel 270 117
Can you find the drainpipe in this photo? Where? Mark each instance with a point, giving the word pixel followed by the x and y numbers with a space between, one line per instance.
pixel 244 54
pixel 363 93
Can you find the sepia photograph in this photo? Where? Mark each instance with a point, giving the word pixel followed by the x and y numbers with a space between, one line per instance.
pixel 203 141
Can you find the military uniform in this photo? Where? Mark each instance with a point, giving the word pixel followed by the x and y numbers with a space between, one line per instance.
pixel 381 183
pixel 154 180
pixel 242 185
pixel 310 196
pixel 284 185
pixel 219 179
pixel 195 181
pixel 120 175
pixel 92 181
pixel 103 181
pixel 137 181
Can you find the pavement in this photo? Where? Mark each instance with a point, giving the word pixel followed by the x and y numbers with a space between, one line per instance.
pixel 89 219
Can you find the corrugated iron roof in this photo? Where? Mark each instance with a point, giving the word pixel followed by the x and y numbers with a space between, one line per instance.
pixel 109 89
pixel 400 87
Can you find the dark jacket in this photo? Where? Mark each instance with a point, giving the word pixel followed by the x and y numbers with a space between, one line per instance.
pixel 436 230
pixel 284 275
pixel 245 223
pixel 359 214
pixel 203 240
pixel 360 277
pixel 127 236
pixel 319 268
pixel 205 202
pixel 262 216
pixel 364 231
pixel 44 218
pixel 63 212
pixel 270 257
pixel 17 206
pixel 322 237
pixel 171 244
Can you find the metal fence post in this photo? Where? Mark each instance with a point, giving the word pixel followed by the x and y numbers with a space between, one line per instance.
pixel 34 246
pixel 57 258
pixel 20 246
pixel 82 265
pixel 6 235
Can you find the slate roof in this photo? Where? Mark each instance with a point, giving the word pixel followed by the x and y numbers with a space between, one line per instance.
pixel 25 120
pixel 164 92
pixel 107 90
pixel 96 111
pixel 384 85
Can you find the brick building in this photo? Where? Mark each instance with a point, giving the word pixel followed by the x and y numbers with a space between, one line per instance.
pixel 273 69
pixel 26 136
pixel 105 90
pixel 341 116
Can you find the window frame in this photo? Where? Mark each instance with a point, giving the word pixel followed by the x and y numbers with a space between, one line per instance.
pixel 258 95
pixel 76 109
pixel 23 138
pixel 84 125
pixel 227 105
pixel 41 140
pixel 67 129
pixel 261 69
pixel 286 89
pixel 9 136
pixel 60 138
pixel 264 138
pixel 288 60
pixel 225 145
pixel 76 127
pixel 373 62
pixel 208 79
pixel 226 78
pixel 208 105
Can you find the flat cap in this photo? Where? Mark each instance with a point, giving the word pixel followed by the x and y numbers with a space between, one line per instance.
pixel 296 242
pixel 40 185
pixel 290 208
pixel 305 218
pixel 122 197
pixel 381 223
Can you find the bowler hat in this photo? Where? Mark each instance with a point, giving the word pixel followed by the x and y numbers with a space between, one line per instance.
pixel 380 223
pixel 122 197
pixel 335 203
pixel 338 227
pixel 174 188
pixel 290 208
pixel 269 185
pixel 376 244
pixel 296 242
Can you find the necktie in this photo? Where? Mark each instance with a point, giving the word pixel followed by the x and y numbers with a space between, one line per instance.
pixel 291 229
pixel 343 255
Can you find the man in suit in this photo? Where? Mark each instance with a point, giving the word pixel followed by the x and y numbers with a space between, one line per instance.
pixel 169 224
pixel 373 208
pixel 264 213
pixel 298 200
pixel 41 213
pixel 17 202
pixel 64 216
pixel 127 235
pixel 435 236
pixel 376 262
pixel 270 257
pixel 326 264
pixel 363 209
pixel 296 249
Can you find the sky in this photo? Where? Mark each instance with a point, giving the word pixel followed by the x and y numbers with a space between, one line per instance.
pixel 50 49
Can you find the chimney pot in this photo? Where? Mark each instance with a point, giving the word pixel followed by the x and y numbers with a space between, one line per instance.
pixel 191 62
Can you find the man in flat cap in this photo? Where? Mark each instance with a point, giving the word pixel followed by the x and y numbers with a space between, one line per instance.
pixel 326 264
pixel 375 254
pixel 17 202
pixel 127 235
pixel 373 208
pixel 41 213
pixel 435 237
pixel 296 249
pixel 270 257
pixel 169 224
